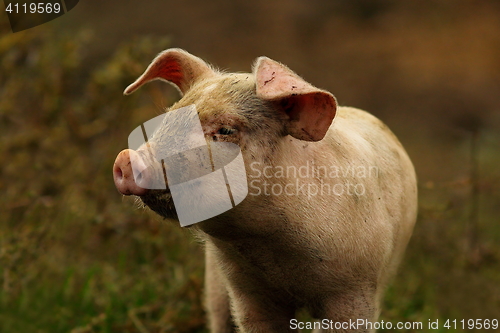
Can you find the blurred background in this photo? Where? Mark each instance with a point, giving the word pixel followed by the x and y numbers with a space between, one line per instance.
pixel 76 256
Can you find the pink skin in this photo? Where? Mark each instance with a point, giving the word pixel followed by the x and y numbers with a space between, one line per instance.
pixel 123 173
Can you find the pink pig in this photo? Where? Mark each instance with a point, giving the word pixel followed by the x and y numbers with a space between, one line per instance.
pixel 331 204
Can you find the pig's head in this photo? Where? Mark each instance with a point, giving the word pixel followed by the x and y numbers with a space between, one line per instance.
pixel 256 111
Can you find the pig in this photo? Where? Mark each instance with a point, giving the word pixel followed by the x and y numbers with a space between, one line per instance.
pixel 331 204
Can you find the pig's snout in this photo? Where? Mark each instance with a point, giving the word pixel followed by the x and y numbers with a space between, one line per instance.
pixel 127 163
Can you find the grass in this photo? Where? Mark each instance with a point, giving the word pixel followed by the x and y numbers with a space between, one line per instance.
pixel 74 255
pixel 77 257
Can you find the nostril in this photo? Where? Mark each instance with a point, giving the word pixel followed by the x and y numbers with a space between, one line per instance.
pixel 118 172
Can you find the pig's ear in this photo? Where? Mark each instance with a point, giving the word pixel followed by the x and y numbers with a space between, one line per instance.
pixel 310 110
pixel 173 65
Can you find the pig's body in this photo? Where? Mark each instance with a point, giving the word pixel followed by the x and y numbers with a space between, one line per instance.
pixel 326 238
pixel 330 253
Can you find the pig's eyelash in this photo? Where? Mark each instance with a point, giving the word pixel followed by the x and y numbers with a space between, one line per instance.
pixel 226 131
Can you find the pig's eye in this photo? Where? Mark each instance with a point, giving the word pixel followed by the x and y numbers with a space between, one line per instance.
pixel 226 131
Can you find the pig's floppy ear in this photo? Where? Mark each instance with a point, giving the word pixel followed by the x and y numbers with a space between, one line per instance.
pixel 310 110
pixel 173 65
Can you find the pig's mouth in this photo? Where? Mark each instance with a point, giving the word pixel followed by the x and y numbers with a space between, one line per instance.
pixel 161 202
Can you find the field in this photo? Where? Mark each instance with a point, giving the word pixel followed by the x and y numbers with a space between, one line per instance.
pixel 76 256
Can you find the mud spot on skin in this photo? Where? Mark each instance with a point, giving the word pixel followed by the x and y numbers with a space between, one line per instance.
pixel 309 136
pixel 272 78
pixel 356 198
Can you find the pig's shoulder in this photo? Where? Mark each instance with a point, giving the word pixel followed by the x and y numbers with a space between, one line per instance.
pixel 347 114
pixel 356 134
pixel 361 123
